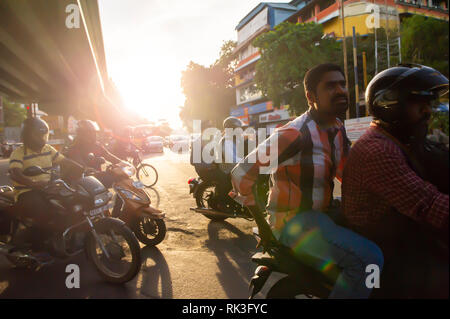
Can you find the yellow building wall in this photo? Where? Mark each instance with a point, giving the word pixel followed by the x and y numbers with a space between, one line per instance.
pixel 359 22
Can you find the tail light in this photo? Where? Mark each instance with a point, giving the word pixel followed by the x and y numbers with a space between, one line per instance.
pixel 191 180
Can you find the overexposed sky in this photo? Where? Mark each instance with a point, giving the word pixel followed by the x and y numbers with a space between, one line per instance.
pixel 149 42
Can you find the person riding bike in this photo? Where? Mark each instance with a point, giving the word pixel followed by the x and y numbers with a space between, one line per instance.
pixel 310 152
pixel 85 143
pixel 30 199
pixel 389 195
pixel 123 147
pixel 231 154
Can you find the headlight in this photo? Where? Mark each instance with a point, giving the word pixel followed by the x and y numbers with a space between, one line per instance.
pixel 102 199
pixel 129 170
pixel 130 195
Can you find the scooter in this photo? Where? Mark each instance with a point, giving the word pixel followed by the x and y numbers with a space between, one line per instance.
pixel 132 205
pixel 205 191
pixel 107 242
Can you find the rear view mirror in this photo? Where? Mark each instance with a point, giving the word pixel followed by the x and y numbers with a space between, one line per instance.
pixel 33 171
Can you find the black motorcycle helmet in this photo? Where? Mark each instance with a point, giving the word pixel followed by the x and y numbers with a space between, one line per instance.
pixel 87 131
pixel 387 93
pixel 35 133
pixel 232 122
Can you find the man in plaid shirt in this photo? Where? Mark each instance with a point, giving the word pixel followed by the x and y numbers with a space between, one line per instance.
pixel 386 195
pixel 310 153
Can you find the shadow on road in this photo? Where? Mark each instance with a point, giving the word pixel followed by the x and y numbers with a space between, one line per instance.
pixel 155 270
pixel 154 196
pixel 234 255
pixel 49 282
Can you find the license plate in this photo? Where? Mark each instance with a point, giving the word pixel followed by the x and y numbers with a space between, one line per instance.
pixel 98 211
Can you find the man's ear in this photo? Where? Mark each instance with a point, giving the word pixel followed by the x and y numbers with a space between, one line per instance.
pixel 310 96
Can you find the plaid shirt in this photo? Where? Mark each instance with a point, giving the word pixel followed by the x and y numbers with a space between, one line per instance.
pixel 377 178
pixel 309 158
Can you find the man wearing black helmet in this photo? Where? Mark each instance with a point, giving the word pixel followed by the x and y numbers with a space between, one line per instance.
pixel 386 193
pixel 35 152
pixel 85 143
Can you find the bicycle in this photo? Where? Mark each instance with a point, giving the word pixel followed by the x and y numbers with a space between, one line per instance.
pixel 145 173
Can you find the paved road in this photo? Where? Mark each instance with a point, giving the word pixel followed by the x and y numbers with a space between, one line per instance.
pixel 197 259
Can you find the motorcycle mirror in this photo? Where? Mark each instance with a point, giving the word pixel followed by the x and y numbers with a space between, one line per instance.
pixel 33 171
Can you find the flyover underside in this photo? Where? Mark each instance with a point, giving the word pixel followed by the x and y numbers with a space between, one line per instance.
pixel 42 60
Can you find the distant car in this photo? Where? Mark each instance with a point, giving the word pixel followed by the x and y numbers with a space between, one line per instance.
pixel 154 144
pixel 179 143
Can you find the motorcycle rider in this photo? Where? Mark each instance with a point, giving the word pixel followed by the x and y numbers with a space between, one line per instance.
pixel 230 144
pixel 85 143
pixel 311 152
pixel 30 200
pixel 388 194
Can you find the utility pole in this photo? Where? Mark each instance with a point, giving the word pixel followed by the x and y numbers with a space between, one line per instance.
pixel 345 51
pixel 365 78
pixel 399 39
pixel 355 70
pixel 387 34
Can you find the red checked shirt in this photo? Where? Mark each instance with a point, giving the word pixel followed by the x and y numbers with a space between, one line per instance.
pixel 377 177
pixel 308 157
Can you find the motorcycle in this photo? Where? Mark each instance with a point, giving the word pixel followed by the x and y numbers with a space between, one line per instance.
pixel 132 205
pixel 213 206
pixel 107 242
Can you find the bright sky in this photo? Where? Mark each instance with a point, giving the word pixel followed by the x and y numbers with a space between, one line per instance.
pixel 149 42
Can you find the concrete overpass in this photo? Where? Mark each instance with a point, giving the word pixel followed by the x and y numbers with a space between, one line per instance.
pixel 42 60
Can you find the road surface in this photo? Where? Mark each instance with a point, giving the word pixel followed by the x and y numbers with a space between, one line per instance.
pixel 197 259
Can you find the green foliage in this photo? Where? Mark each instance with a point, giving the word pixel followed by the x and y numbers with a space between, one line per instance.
pixel 209 90
pixel 425 41
pixel 439 120
pixel 14 115
pixel 287 53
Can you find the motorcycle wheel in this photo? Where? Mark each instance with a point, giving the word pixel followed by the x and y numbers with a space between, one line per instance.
pixel 149 231
pixel 147 175
pixel 125 256
pixel 204 192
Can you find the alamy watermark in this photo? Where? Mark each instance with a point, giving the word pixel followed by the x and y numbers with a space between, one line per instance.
pixel 209 148
pixel 73 279
pixel 73 17
pixel 373 19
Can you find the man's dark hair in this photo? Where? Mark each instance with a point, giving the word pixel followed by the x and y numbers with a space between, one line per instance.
pixel 314 75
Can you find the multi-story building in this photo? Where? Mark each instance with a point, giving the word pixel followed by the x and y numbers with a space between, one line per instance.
pixel 250 103
pixel 365 15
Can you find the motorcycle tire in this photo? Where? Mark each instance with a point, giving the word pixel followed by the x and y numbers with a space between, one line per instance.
pixel 142 169
pixel 200 204
pixel 139 229
pixel 130 238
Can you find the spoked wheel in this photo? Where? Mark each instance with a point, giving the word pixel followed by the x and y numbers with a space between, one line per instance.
pixel 204 193
pixel 115 253
pixel 149 231
pixel 147 174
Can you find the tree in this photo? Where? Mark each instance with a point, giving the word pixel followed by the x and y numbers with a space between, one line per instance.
pixel 286 54
pixel 425 41
pixel 14 114
pixel 209 90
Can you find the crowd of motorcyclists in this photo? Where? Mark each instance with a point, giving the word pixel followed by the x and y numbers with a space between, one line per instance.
pixel 395 201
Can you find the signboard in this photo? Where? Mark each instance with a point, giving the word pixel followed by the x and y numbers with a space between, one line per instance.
pixel 357 127
pixel 278 115
pixel 260 20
